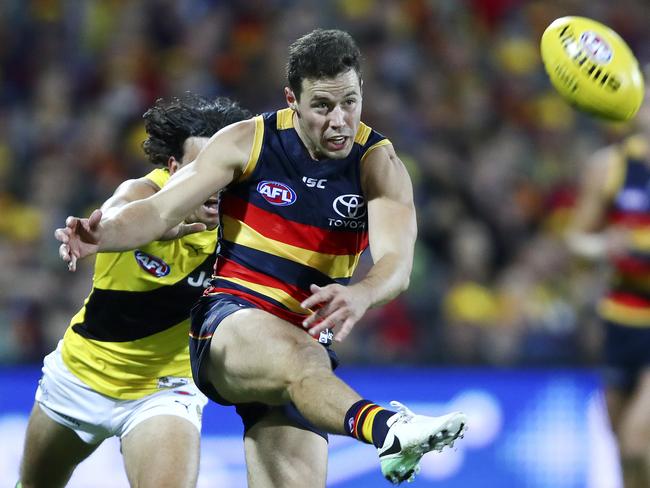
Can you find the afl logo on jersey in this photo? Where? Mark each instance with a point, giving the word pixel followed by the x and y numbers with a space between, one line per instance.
pixel 350 206
pixel 151 264
pixel 276 193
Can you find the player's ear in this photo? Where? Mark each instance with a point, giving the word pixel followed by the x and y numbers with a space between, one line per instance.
pixel 172 165
pixel 292 101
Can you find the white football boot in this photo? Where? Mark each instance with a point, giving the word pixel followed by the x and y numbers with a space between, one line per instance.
pixel 410 436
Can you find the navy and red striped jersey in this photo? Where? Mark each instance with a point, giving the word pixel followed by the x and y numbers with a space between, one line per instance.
pixel 628 300
pixel 291 221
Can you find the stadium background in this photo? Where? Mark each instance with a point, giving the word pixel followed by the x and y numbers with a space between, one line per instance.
pixel 498 318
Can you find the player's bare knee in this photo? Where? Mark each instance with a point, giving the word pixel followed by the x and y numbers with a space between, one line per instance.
pixel 314 357
pixel 311 363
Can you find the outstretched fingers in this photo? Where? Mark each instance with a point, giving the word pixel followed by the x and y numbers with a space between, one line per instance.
pixel 319 295
pixel 62 234
pixel 329 321
pixel 72 262
pixel 345 329
pixel 333 307
pixel 78 238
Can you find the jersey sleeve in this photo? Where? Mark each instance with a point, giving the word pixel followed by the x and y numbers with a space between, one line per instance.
pixel 159 176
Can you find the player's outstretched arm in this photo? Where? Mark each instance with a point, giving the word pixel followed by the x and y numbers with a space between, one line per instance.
pixel 77 237
pixel 80 237
pixel 129 191
pixel 139 222
pixel 392 232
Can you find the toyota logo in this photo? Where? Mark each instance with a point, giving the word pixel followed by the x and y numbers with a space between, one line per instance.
pixel 350 206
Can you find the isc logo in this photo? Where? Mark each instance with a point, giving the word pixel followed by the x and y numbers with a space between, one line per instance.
pixel 276 193
pixel 151 264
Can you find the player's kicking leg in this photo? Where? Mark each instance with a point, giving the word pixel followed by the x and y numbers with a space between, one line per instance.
pixel 255 356
pixel 410 436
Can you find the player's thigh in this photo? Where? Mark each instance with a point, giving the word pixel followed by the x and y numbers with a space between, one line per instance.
pixel 255 356
pixel 51 452
pixel 162 452
pixel 635 420
pixel 279 453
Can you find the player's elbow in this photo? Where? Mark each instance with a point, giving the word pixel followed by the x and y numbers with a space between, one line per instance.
pixel 403 284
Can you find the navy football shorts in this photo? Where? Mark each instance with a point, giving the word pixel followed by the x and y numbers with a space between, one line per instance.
pixel 206 316
pixel 627 352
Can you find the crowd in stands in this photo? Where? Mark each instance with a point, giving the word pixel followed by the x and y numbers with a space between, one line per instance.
pixel 457 85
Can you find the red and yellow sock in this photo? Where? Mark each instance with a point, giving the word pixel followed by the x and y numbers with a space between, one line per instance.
pixel 367 422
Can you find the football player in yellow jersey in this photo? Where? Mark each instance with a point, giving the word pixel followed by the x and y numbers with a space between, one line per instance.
pixel 280 171
pixel 122 368
pixel 611 222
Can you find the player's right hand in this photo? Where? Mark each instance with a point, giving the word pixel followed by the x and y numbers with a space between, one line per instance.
pixel 79 238
pixel 337 307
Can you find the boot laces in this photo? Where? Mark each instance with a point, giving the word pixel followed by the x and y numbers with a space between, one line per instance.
pixel 404 413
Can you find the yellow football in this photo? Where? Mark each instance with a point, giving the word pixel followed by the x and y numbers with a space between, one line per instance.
pixel 592 68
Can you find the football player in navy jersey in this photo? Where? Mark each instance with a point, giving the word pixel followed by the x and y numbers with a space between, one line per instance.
pixel 611 223
pixel 305 190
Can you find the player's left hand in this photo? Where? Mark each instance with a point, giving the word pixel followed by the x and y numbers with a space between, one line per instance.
pixel 79 238
pixel 339 307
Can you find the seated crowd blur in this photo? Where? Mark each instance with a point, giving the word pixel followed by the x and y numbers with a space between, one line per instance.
pixel 457 86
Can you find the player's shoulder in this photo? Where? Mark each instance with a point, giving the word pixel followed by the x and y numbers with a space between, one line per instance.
pixel 142 187
pixel 379 152
pixel 241 129
pixel 233 144
pixel 635 146
pixel 367 137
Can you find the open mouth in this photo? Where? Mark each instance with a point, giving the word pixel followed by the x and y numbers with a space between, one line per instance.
pixel 211 206
pixel 336 143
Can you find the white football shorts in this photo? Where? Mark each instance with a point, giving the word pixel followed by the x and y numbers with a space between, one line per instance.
pixel 95 417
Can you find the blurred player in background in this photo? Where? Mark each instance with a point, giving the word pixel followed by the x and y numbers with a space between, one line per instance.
pixel 122 368
pixel 611 222
pixel 306 189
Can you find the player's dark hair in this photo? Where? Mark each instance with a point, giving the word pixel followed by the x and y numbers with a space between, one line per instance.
pixel 170 122
pixel 321 54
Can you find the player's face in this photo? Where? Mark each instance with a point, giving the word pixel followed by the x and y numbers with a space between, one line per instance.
pixel 208 212
pixel 328 114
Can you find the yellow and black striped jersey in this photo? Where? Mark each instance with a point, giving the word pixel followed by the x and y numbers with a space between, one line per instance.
pixel 131 335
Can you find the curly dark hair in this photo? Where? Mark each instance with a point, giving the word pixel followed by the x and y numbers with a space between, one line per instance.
pixel 321 54
pixel 170 123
